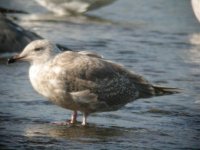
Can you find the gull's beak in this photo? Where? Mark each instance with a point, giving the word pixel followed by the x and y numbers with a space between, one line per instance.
pixel 14 59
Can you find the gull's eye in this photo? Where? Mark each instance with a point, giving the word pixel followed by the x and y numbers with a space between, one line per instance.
pixel 38 49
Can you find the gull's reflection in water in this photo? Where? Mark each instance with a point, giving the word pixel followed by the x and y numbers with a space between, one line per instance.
pixel 195 39
pixel 76 18
pixel 77 132
pixel 194 52
pixel 193 59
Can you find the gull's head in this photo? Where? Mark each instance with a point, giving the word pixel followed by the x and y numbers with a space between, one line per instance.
pixel 38 51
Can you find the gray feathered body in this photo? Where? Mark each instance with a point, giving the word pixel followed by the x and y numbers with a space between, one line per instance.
pixel 88 83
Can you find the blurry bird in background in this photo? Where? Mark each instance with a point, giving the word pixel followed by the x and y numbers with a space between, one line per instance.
pixel 67 7
pixel 196 8
pixel 14 38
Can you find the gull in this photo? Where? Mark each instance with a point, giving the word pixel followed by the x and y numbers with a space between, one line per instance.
pixel 196 8
pixel 63 7
pixel 83 81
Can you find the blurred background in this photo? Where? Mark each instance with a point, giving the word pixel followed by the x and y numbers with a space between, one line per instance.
pixel 159 39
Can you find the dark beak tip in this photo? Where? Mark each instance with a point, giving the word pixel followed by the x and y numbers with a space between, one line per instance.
pixel 11 60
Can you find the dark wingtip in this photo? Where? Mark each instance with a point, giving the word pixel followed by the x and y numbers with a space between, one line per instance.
pixel 159 90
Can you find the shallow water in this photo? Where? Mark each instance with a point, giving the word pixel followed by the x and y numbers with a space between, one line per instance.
pixel 158 39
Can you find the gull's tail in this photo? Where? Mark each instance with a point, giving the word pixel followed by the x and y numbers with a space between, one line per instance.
pixel 159 90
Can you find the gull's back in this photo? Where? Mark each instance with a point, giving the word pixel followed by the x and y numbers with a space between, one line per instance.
pixel 109 82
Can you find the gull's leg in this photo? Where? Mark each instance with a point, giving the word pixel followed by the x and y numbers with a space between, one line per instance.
pixel 68 122
pixel 73 117
pixel 84 122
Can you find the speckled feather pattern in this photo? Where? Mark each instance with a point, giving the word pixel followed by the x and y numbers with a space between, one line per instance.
pixel 73 72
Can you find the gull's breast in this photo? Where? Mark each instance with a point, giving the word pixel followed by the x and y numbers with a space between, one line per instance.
pixel 45 80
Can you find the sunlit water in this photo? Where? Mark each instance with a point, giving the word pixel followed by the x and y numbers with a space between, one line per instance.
pixel 159 39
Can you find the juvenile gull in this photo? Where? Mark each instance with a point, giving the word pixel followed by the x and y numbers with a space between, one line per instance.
pixel 83 81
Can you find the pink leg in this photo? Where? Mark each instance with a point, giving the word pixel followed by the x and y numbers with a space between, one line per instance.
pixel 73 117
pixel 68 122
pixel 84 122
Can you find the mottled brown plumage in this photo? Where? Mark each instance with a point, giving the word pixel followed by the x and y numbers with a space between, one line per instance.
pixel 84 81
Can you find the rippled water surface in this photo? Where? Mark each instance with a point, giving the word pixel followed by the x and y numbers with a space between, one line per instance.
pixel 159 39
